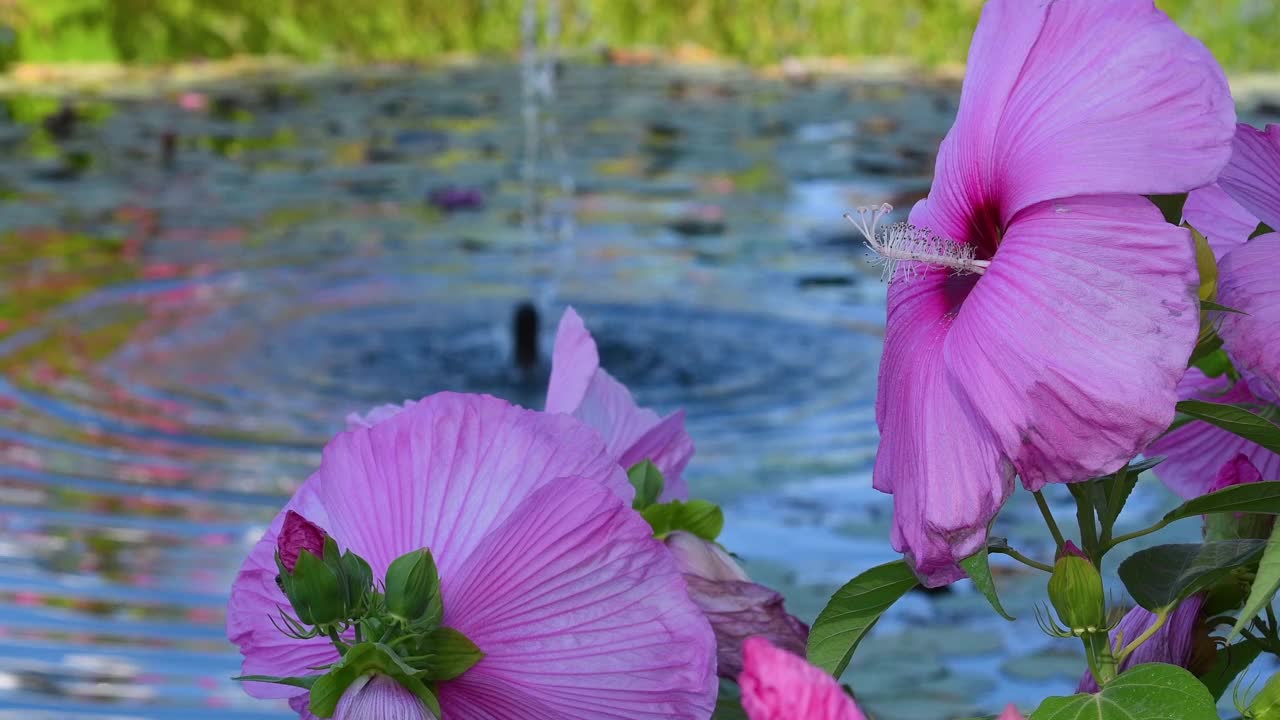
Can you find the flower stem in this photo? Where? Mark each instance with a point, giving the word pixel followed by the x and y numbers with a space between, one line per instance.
pixel 1048 519
pixel 1135 534
pixel 1161 617
pixel 1102 663
pixel 1022 558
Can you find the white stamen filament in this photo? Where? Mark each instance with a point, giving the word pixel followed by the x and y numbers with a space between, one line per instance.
pixel 906 247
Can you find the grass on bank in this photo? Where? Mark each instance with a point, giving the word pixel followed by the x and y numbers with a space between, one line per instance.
pixel 1244 34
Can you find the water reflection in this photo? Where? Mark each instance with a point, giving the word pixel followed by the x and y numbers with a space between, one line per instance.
pixel 198 285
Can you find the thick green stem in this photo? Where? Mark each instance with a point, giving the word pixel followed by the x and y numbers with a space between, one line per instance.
pixel 1161 617
pixel 1048 518
pixel 1102 663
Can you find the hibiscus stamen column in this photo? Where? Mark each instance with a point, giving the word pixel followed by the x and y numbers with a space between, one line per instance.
pixel 904 243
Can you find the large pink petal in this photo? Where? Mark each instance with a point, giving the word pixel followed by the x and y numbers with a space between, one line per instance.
pixel 1253 175
pixel 579 386
pixel 574 361
pixel 442 473
pixel 1073 97
pixel 777 685
pixel 256 600
pixel 578 607
pixel 1222 220
pixel 1072 344
pixel 1195 452
pixel 946 473
pixel 1249 280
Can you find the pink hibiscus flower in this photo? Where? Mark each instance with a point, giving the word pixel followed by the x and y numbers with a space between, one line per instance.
pixel 1044 312
pixel 579 611
pixel 580 387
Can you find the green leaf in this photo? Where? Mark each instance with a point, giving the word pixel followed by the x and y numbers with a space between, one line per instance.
pixel 1262 229
pixel 360 660
pixel 450 653
pixel 853 610
pixel 1265 583
pixel 1213 364
pixel 305 681
pixel 1146 692
pixel 1210 305
pixel 647 479
pixel 729 702
pixel 1162 576
pixel 1258 497
pixel 980 573
pixel 1207 264
pixel 700 517
pixel 1235 420
pixel 1170 206
pixel 1208 344
pixel 1228 663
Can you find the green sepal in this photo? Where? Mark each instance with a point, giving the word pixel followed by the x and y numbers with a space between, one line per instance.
pixel 303 681
pixel 448 654
pixel 363 659
pixel 316 592
pixel 647 479
pixel 699 517
pixel 359 581
pixel 412 593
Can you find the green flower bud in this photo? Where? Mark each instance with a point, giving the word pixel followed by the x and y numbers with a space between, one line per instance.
pixel 1075 589
pixel 1266 704
pixel 316 591
pixel 413 588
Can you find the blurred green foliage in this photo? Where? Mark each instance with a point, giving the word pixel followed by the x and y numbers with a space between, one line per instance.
pixel 1245 34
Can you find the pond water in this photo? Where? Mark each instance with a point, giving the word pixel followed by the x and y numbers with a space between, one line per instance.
pixel 196 289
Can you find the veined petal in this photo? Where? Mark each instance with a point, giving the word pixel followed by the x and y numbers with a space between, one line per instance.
pixel 440 474
pixel 256 600
pixel 579 386
pixel 777 685
pixel 1248 280
pixel 576 605
pixel 1072 97
pixel 1223 221
pixel 1195 452
pixel 1253 175
pixel 945 471
pixel 1072 344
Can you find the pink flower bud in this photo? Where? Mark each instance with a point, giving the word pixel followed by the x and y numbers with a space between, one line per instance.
pixel 298 534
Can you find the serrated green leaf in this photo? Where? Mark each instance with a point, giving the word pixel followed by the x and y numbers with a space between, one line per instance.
pixel 1162 576
pixel 979 571
pixel 1258 497
pixel 1265 583
pixel 700 517
pixel 1146 692
pixel 1235 420
pixel 1228 663
pixel 647 479
pixel 853 610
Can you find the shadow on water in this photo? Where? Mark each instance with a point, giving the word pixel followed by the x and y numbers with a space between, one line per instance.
pixel 199 286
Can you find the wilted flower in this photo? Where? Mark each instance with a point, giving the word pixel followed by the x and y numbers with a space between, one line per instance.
pixel 1195 452
pixel 1179 642
pixel 777 685
pixel 1042 310
pixel 580 613
pixel 736 607
pixel 580 387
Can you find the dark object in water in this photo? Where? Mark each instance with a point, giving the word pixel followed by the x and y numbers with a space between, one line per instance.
pixel 168 148
pixel 61 125
pixel 451 199
pixel 524 336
